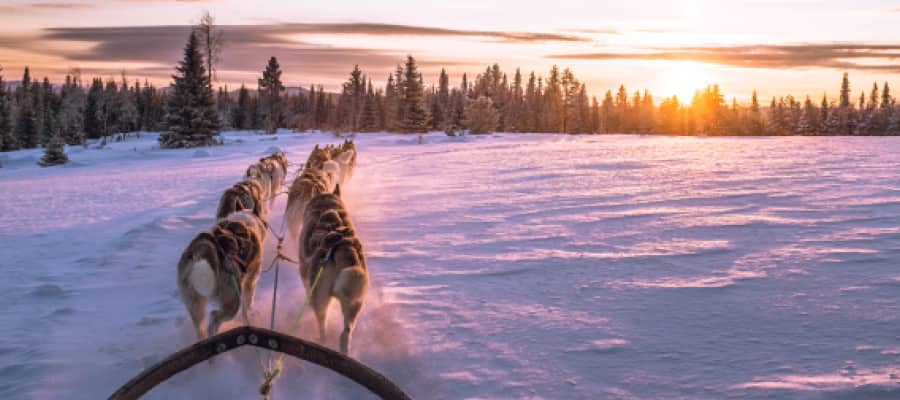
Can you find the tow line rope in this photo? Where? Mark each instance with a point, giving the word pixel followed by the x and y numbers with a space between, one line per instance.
pixel 270 370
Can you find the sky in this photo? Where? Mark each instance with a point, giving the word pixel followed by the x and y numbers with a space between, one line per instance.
pixel 671 47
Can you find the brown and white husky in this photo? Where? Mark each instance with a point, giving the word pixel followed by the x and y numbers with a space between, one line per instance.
pixel 329 247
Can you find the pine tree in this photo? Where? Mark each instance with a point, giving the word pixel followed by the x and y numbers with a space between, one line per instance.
pixel 8 141
pixel 71 111
pixel 352 101
pixel 532 105
pixel 607 114
pixel 94 117
pixel 271 104
pixel 439 117
pixel 242 115
pixel 552 110
pixel 369 122
pixel 55 152
pixel 415 117
pixel 845 92
pixel 26 123
pixel 191 118
pixel 481 116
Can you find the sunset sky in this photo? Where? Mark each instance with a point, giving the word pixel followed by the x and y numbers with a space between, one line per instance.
pixel 670 47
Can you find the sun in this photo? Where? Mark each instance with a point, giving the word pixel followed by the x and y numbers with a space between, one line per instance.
pixel 683 79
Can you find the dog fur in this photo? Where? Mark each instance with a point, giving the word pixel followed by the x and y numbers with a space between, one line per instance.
pixel 206 267
pixel 314 180
pixel 244 195
pixel 275 166
pixel 328 242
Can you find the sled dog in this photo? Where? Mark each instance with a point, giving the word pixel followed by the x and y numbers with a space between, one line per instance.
pixel 244 195
pixel 329 247
pixel 221 265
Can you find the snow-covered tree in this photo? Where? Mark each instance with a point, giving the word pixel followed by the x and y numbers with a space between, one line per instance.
pixel 191 118
pixel 271 104
pixel 55 152
pixel 481 116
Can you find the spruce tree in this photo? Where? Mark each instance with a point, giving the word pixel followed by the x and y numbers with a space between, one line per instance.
pixel 55 152
pixel 26 123
pixel 369 122
pixel 242 114
pixel 352 101
pixel 94 116
pixel 455 113
pixel 8 140
pixel 415 117
pixel 845 92
pixel 271 104
pixel 481 116
pixel 191 118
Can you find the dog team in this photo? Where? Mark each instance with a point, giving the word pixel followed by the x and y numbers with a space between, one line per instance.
pixel 222 265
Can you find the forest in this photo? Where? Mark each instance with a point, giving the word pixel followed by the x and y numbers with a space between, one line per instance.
pixel 33 112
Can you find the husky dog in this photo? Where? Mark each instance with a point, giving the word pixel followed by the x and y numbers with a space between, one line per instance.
pixel 244 195
pixel 275 166
pixel 345 156
pixel 329 247
pixel 318 177
pixel 262 174
pixel 223 265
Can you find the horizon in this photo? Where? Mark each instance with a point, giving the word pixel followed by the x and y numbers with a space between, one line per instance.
pixel 668 48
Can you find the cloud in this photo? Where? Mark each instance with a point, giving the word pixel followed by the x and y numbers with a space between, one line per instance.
pixel 153 51
pixel 858 56
pixel 44 6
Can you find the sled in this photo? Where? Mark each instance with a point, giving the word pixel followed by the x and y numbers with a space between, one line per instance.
pixel 206 349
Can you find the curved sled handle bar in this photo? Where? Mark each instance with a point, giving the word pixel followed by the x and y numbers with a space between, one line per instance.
pixel 270 340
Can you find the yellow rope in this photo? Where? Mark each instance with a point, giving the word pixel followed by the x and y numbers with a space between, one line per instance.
pixel 269 375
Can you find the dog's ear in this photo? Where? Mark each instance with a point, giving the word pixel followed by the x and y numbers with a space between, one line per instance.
pixel 337 190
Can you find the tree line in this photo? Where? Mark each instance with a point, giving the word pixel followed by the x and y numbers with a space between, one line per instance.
pixel 189 112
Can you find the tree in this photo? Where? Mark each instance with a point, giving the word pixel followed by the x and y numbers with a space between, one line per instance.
pixel 415 117
pixel 55 152
pixel 845 92
pixel 191 118
pixel 8 140
pixel 553 111
pixel 456 113
pixel 242 116
pixel 211 39
pixel 271 105
pixel 369 122
pixel 481 116
pixel 27 134
pixel 352 100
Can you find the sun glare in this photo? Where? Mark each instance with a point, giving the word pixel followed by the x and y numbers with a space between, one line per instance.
pixel 682 79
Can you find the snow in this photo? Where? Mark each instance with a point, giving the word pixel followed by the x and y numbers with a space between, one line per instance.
pixel 502 266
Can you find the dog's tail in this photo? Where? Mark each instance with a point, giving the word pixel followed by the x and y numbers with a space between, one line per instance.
pixel 332 171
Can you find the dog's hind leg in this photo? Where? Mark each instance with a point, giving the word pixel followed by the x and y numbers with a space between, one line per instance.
pixel 196 306
pixel 350 309
pixel 249 291
pixel 350 289
pixel 230 305
pixel 320 305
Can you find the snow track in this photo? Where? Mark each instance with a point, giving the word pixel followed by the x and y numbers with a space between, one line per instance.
pixel 504 266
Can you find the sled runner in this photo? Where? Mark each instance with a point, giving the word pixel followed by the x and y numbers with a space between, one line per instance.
pixel 204 350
